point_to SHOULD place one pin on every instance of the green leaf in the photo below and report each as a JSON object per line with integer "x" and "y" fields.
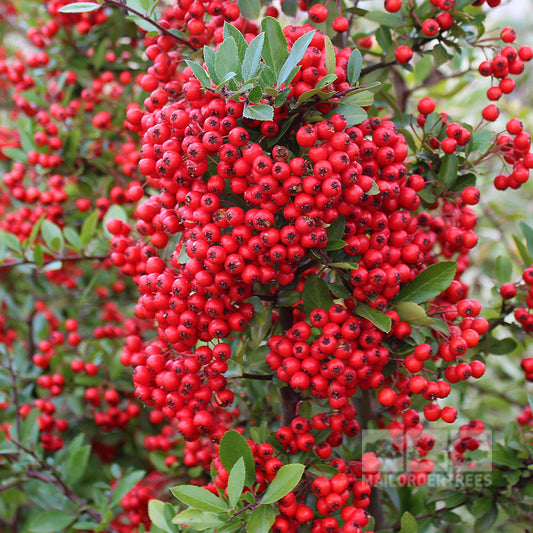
{"x": 52, "y": 235}
{"x": 335, "y": 230}
{"x": 414, "y": 314}
{"x": 261, "y": 112}
{"x": 354, "y": 113}
{"x": 233, "y": 446}
{"x": 345, "y": 264}
{"x": 275, "y": 50}
{"x": 11, "y": 241}
{"x": 355, "y": 64}
{"x": 72, "y": 237}
{"x": 199, "y": 498}
{"x": 482, "y": 140}
{"x": 379, "y": 319}
{"x": 484, "y": 523}
{"x": 51, "y": 521}
{"x": 316, "y": 294}
{"x": 503, "y": 346}
{"x": 340, "y": 291}
{"x": 523, "y": 251}
{"x": 261, "y": 519}
{"x": 209, "y": 58}
{"x": 286, "y": 479}
{"x": 38, "y": 254}
{"x": 232, "y": 31}
{"x": 297, "y": 52}
{"x": 77, "y": 459}
{"x": 527, "y": 231}
{"x": 326, "y": 80}
{"x": 30, "y": 429}
{"x": 81, "y": 7}
{"x": 503, "y": 270}
{"x": 440, "y": 55}
{"x": 288, "y": 297}
{"x": 448, "y": 170}
{"x": 481, "y": 506}
{"x": 201, "y": 74}
{"x": 227, "y": 58}
{"x": 126, "y": 483}
{"x": 530, "y": 401}
{"x": 282, "y": 96}
{"x": 331, "y": 59}
{"x": 385, "y": 19}
{"x": 505, "y": 457}
{"x": 252, "y": 57}
{"x": 197, "y": 520}
{"x": 250, "y": 9}
{"x": 423, "y": 68}
{"x": 429, "y": 283}
{"x": 88, "y": 228}
{"x": 408, "y": 523}
{"x": 236, "y": 481}
{"x": 161, "y": 514}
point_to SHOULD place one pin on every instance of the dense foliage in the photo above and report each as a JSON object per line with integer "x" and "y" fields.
{"x": 244, "y": 283}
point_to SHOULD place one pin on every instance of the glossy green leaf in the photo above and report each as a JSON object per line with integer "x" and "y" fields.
{"x": 485, "y": 522}
{"x": 161, "y": 515}
{"x": 198, "y": 520}
{"x": 448, "y": 170}
{"x": 335, "y": 245}
{"x": 88, "y": 228}
{"x": 326, "y": 80}
{"x": 440, "y": 55}
{"x": 355, "y": 64}
{"x": 81, "y": 7}
{"x": 236, "y": 481}
{"x": 429, "y": 283}
{"x": 199, "y": 498}
{"x": 297, "y": 52}
{"x": 50, "y": 521}
{"x": 481, "y": 506}
{"x": 503, "y": 269}
{"x": 233, "y": 446}
{"x": 72, "y": 237}
{"x": 201, "y": 74}
{"x": 502, "y": 346}
{"x": 252, "y": 57}
{"x": 340, "y": 291}
{"x": 286, "y": 479}
{"x": 347, "y": 265}
{"x": 335, "y": 230}
{"x": 354, "y": 113}
{"x": 52, "y": 235}
{"x": 379, "y": 319}
{"x": 316, "y": 294}
{"x": 261, "y": 112}
{"x": 77, "y": 459}
{"x": 250, "y": 9}
{"x": 408, "y": 523}
{"x": 275, "y": 50}
{"x": 261, "y": 519}
{"x": 125, "y": 484}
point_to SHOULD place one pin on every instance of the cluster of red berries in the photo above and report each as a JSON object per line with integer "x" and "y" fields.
{"x": 49, "y": 424}
{"x": 468, "y": 440}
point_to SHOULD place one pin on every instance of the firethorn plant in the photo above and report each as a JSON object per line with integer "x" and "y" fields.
{"x": 239, "y": 237}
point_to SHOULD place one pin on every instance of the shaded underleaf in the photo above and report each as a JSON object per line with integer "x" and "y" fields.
{"x": 379, "y": 319}
{"x": 448, "y": 170}
{"x": 286, "y": 479}
{"x": 316, "y": 294}
{"x": 429, "y": 283}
